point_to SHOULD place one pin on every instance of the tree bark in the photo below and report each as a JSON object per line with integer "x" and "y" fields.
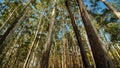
{"x": 102, "y": 59}
{"x": 9, "y": 17}
{"x": 15, "y": 22}
{"x": 4, "y": 47}
{"x": 116, "y": 13}
{"x": 45, "y": 56}
{"x": 78, "y": 36}
{"x": 32, "y": 46}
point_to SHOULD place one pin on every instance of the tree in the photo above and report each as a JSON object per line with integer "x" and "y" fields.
{"x": 2, "y": 39}
{"x": 52, "y": 34}
{"x": 95, "y": 42}
{"x": 45, "y": 57}
{"x": 116, "y": 13}
{"x": 9, "y": 17}
{"x": 78, "y": 36}
{"x": 33, "y": 44}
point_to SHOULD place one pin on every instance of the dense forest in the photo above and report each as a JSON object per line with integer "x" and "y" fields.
{"x": 59, "y": 33}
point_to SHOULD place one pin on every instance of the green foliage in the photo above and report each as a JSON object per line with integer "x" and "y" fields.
{"x": 42, "y": 9}
{"x": 114, "y": 30}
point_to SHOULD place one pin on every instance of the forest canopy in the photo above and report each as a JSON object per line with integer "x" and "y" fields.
{"x": 59, "y": 33}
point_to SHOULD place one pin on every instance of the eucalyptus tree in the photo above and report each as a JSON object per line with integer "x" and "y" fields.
{"x": 95, "y": 42}
{"x": 32, "y": 45}
{"x": 59, "y": 39}
{"x": 110, "y": 28}
{"x": 9, "y": 17}
{"x": 45, "y": 57}
{"x": 6, "y": 46}
{"x": 78, "y": 36}
{"x": 116, "y": 13}
{"x": 2, "y": 39}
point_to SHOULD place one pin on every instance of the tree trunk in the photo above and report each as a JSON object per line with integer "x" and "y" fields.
{"x": 116, "y": 13}
{"x": 15, "y": 22}
{"x": 45, "y": 56}
{"x": 102, "y": 59}
{"x": 9, "y": 17}
{"x": 5, "y": 46}
{"x": 79, "y": 40}
{"x": 32, "y": 46}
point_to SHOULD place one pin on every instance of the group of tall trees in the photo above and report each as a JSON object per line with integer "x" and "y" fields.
{"x": 59, "y": 34}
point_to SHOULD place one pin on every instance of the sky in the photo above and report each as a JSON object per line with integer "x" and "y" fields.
{"x": 102, "y": 6}
{"x": 1, "y": 1}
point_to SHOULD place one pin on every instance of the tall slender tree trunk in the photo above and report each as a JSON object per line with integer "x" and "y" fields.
{"x": 116, "y": 13}
{"x": 9, "y": 17}
{"x": 66, "y": 61}
{"x": 78, "y": 36}
{"x": 75, "y": 58}
{"x": 12, "y": 50}
{"x": 102, "y": 59}
{"x": 15, "y": 22}
{"x": 2, "y": 47}
{"x": 32, "y": 46}
{"x": 64, "y": 53}
{"x": 45, "y": 56}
